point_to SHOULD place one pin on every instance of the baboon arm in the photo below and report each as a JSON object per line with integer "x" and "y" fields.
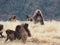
{"x": 7, "y": 38}
{"x": 29, "y": 34}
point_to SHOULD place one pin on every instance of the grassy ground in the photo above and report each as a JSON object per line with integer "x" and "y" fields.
{"x": 48, "y": 34}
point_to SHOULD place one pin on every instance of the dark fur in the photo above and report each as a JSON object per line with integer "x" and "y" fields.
{"x": 12, "y": 35}
{"x": 17, "y": 30}
{"x": 1, "y": 27}
{"x": 27, "y": 30}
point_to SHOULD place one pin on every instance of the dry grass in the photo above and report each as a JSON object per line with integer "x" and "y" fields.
{"x": 48, "y": 34}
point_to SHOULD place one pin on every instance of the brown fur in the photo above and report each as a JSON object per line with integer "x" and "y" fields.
{"x": 12, "y": 18}
{"x": 26, "y": 29}
{"x": 23, "y": 31}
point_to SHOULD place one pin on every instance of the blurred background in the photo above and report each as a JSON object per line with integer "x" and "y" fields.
{"x": 50, "y": 8}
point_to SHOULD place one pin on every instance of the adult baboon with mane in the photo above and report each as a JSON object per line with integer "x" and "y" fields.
{"x": 37, "y": 17}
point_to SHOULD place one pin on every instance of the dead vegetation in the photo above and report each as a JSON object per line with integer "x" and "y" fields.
{"x": 41, "y": 34}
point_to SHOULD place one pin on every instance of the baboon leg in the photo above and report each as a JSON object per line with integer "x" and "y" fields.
{"x": 42, "y": 22}
{"x": 24, "y": 38}
{"x": 6, "y": 39}
{"x": 1, "y": 34}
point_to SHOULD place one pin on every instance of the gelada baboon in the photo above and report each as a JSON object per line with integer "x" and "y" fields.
{"x": 12, "y": 18}
{"x": 37, "y": 17}
{"x": 22, "y": 32}
{"x": 29, "y": 17}
{"x": 1, "y": 27}
{"x": 25, "y": 26}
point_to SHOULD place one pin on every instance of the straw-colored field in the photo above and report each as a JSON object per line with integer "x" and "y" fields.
{"x": 48, "y": 34}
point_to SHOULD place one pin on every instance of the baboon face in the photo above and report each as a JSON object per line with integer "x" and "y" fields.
{"x": 29, "y": 18}
{"x": 38, "y": 12}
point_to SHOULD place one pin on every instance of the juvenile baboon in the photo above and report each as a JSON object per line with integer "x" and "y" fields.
{"x": 29, "y": 17}
{"x": 12, "y": 18}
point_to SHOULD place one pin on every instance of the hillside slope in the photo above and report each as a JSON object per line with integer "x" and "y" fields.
{"x": 20, "y": 8}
